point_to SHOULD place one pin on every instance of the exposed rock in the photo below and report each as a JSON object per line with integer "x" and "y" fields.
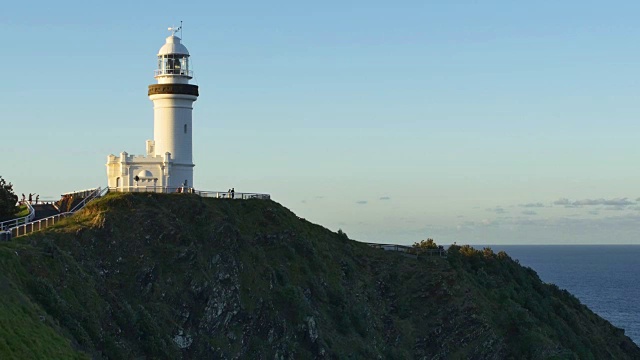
{"x": 182, "y": 341}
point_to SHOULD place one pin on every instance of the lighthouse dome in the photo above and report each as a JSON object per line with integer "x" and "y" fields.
{"x": 173, "y": 46}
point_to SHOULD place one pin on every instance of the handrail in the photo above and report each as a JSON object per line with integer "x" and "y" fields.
{"x": 86, "y": 200}
{"x": 85, "y": 191}
{"x": 161, "y": 72}
{"x": 16, "y": 222}
{"x": 31, "y": 226}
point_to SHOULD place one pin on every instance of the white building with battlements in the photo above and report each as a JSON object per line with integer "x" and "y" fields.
{"x": 168, "y": 163}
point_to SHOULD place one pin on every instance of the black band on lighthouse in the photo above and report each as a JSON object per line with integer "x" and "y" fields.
{"x": 186, "y": 89}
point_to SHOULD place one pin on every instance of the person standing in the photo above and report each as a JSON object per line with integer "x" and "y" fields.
{"x": 233, "y": 193}
{"x": 37, "y": 198}
{"x": 23, "y": 198}
{"x": 30, "y": 197}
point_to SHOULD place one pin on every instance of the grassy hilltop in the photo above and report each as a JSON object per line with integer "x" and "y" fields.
{"x": 178, "y": 276}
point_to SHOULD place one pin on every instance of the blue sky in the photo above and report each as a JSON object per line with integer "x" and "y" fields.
{"x": 474, "y": 122}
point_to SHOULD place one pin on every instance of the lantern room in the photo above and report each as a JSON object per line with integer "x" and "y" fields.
{"x": 173, "y": 61}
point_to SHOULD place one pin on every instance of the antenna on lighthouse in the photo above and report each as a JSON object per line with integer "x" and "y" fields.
{"x": 174, "y": 29}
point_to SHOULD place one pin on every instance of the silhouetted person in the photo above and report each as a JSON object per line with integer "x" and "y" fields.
{"x": 30, "y": 197}
{"x": 23, "y": 197}
{"x": 233, "y": 193}
{"x": 37, "y": 198}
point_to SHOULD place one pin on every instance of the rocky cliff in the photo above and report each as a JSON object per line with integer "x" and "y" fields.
{"x": 178, "y": 276}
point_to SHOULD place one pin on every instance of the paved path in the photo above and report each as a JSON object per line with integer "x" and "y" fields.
{"x": 44, "y": 210}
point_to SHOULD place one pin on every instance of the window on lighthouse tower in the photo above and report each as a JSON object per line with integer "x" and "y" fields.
{"x": 173, "y": 64}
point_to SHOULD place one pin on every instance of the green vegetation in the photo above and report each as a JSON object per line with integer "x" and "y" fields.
{"x": 170, "y": 276}
{"x": 26, "y": 330}
{"x": 8, "y": 200}
{"x": 22, "y": 211}
{"x": 424, "y": 247}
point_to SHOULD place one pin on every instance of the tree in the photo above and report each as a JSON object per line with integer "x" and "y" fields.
{"x": 8, "y": 200}
{"x": 343, "y": 234}
{"x": 422, "y": 246}
{"x": 488, "y": 253}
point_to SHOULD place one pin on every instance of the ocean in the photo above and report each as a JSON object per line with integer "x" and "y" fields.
{"x": 606, "y": 278}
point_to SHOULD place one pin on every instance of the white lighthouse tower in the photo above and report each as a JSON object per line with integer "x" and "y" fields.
{"x": 173, "y": 99}
{"x": 168, "y": 163}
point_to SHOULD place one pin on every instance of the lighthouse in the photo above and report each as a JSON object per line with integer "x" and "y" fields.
{"x": 168, "y": 163}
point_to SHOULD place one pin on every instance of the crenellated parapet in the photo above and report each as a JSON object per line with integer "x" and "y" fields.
{"x": 149, "y": 159}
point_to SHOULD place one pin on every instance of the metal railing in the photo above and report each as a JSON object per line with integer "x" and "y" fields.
{"x": 36, "y": 225}
{"x": 91, "y": 195}
{"x": 83, "y": 193}
{"x": 22, "y": 220}
{"x": 31, "y": 226}
{"x": 187, "y": 190}
{"x": 410, "y": 249}
{"x": 160, "y": 72}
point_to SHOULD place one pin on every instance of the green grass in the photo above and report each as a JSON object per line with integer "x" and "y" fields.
{"x": 26, "y": 330}
{"x": 23, "y": 211}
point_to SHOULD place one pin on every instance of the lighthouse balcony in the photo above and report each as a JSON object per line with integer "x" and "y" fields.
{"x": 173, "y": 72}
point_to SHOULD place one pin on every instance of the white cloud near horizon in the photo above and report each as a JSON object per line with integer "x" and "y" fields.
{"x": 532, "y": 205}
{"x": 592, "y": 202}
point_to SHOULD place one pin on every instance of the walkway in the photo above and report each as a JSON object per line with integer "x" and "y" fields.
{"x": 44, "y": 211}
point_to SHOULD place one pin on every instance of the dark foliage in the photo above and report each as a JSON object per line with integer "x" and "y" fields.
{"x": 8, "y": 200}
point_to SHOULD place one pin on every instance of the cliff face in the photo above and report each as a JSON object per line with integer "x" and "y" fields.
{"x": 171, "y": 276}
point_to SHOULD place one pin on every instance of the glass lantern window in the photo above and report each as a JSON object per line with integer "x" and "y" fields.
{"x": 173, "y": 64}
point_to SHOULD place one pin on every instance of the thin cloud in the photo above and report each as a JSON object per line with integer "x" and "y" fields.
{"x": 497, "y": 210}
{"x": 385, "y": 198}
{"x": 362, "y": 202}
{"x": 529, "y": 212}
{"x": 594, "y": 202}
{"x": 612, "y": 202}
{"x": 616, "y": 208}
{"x": 532, "y": 205}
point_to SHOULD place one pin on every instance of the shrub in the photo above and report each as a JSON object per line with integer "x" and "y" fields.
{"x": 422, "y": 246}
{"x": 8, "y": 200}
